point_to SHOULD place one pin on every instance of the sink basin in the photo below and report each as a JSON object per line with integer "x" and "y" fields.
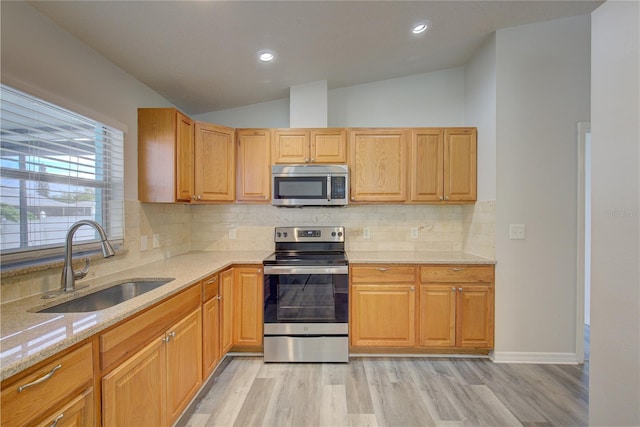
{"x": 108, "y": 297}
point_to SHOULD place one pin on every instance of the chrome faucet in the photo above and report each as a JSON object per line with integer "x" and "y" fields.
{"x": 68, "y": 279}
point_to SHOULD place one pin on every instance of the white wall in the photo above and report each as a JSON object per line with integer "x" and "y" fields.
{"x": 480, "y": 111}
{"x": 272, "y": 114}
{"x": 40, "y": 58}
{"x": 614, "y": 379}
{"x": 542, "y": 74}
{"x": 430, "y": 99}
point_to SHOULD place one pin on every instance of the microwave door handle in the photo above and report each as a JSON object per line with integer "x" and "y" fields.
{"x": 328, "y": 188}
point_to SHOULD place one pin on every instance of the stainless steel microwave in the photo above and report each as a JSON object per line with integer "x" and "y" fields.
{"x": 310, "y": 185}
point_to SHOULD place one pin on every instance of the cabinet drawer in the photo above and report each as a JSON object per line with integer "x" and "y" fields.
{"x": 382, "y": 273}
{"x": 32, "y": 395}
{"x": 457, "y": 273}
{"x": 209, "y": 288}
{"x": 119, "y": 343}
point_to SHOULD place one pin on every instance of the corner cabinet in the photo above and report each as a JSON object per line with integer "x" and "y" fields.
{"x": 215, "y": 163}
{"x": 254, "y": 165}
{"x": 165, "y": 155}
{"x": 377, "y": 160}
{"x": 309, "y": 146}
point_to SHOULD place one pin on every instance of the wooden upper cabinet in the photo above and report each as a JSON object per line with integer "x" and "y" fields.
{"x": 460, "y": 164}
{"x": 427, "y": 165}
{"x": 215, "y": 163}
{"x": 291, "y": 146}
{"x": 378, "y": 159}
{"x": 310, "y": 146}
{"x": 254, "y": 165}
{"x": 165, "y": 155}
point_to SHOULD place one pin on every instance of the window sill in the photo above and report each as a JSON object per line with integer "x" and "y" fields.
{"x": 18, "y": 268}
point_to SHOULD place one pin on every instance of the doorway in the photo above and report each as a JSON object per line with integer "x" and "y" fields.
{"x": 583, "y": 303}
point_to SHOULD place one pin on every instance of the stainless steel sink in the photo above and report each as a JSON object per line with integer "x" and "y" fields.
{"x": 108, "y": 297}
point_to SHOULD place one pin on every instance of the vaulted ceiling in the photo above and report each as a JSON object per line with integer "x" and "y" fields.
{"x": 202, "y": 55}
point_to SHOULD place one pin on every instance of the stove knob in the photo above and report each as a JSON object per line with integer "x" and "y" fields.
{"x": 340, "y": 233}
{"x": 285, "y": 234}
{"x": 278, "y": 234}
{"x": 333, "y": 234}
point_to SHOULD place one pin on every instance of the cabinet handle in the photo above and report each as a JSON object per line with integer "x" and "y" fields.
{"x": 441, "y": 198}
{"x": 313, "y": 160}
{"x": 259, "y": 270}
{"x": 459, "y": 289}
{"x": 457, "y": 269}
{"x": 218, "y": 298}
{"x": 453, "y": 289}
{"x": 169, "y": 336}
{"x": 446, "y": 197}
{"x": 55, "y": 421}
{"x": 306, "y": 160}
{"x": 208, "y": 282}
{"x": 39, "y": 380}
{"x": 382, "y": 269}
{"x": 412, "y": 288}
{"x": 199, "y": 197}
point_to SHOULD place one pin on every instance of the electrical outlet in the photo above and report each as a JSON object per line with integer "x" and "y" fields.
{"x": 414, "y": 233}
{"x": 516, "y": 231}
{"x": 143, "y": 243}
{"x": 156, "y": 240}
{"x": 366, "y": 234}
{"x": 232, "y": 234}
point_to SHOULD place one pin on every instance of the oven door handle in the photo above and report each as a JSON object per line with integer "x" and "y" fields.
{"x": 287, "y": 269}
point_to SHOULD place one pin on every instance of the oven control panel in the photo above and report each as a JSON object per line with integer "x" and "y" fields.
{"x": 309, "y": 234}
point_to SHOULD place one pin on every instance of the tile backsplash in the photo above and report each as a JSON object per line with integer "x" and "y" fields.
{"x": 183, "y": 228}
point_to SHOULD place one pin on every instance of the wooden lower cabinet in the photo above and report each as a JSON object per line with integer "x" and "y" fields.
{"x": 210, "y": 336}
{"x": 453, "y": 307}
{"x": 154, "y": 386}
{"x": 226, "y": 311}
{"x": 61, "y": 388}
{"x": 383, "y": 315}
{"x": 248, "y": 306}
{"x": 456, "y": 306}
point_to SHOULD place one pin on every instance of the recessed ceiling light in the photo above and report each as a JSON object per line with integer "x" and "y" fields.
{"x": 265, "y": 56}
{"x": 420, "y": 28}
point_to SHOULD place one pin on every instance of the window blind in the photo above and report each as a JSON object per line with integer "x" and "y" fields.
{"x": 56, "y": 167}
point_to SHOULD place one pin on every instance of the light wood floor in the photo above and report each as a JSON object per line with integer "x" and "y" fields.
{"x": 392, "y": 392}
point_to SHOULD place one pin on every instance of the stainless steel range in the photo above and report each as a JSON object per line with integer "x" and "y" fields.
{"x": 306, "y": 296}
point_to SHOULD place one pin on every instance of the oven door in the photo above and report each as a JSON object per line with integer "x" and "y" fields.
{"x": 295, "y": 297}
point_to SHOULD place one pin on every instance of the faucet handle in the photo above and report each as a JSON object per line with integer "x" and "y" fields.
{"x": 80, "y": 274}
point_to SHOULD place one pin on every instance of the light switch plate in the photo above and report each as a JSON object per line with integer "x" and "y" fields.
{"x": 414, "y": 233}
{"x": 143, "y": 243}
{"x": 366, "y": 234}
{"x": 156, "y": 240}
{"x": 232, "y": 234}
{"x": 516, "y": 231}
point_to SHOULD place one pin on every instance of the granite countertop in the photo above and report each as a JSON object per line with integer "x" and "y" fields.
{"x": 411, "y": 257}
{"x": 27, "y": 337}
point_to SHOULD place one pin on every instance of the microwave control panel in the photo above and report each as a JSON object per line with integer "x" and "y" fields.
{"x": 338, "y": 187}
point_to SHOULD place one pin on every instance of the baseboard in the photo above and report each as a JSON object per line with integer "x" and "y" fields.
{"x": 536, "y": 358}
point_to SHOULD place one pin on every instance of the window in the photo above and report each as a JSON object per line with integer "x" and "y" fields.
{"x": 56, "y": 167}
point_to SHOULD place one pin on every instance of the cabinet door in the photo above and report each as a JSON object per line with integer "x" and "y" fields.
{"x": 383, "y": 315}
{"x": 474, "y": 316}
{"x": 427, "y": 165}
{"x": 460, "y": 164}
{"x": 184, "y": 158}
{"x": 226, "y": 311}
{"x": 133, "y": 394}
{"x": 215, "y": 163}
{"x": 328, "y": 146}
{"x": 437, "y": 326}
{"x": 378, "y": 165}
{"x": 184, "y": 363}
{"x": 254, "y": 166}
{"x": 77, "y": 413}
{"x": 291, "y": 146}
{"x": 210, "y": 336}
{"x": 248, "y": 305}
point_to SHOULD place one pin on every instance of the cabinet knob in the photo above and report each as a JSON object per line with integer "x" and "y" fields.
{"x": 459, "y": 289}
{"x": 199, "y": 197}
{"x": 453, "y": 289}
{"x": 383, "y": 269}
{"x": 441, "y": 197}
{"x": 313, "y": 160}
{"x": 446, "y": 197}
{"x": 412, "y": 288}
